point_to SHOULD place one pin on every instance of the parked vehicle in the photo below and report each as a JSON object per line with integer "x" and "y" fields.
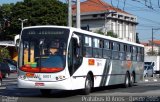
{"x": 12, "y": 65}
{"x": 12, "y": 68}
{"x": 0, "y": 78}
{"x": 148, "y": 71}
{"x": 153, "y": 61}
{"x": 5, "y": 70}
{"x": 13, "y": 62}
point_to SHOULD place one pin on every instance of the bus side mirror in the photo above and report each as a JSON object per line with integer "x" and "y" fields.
{"x": 17, "y": 44}
{"x": 16, "y": 41}
{"x": 77, "y": 39}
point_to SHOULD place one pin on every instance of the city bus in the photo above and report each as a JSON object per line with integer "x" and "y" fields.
{"x": 66, "y": 58}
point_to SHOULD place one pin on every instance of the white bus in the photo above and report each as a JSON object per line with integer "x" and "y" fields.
{"x": 65, "y": 58}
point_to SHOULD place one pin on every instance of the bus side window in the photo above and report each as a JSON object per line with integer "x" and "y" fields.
{"x": 87, "y": 52}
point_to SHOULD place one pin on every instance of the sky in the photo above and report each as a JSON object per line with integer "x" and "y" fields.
{"x": 8, "y": 1}
{"x": 147, "y": 12}
{"x": 148, "y": 16}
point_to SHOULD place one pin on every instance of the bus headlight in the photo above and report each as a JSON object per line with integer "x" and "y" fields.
{"x": 61, "y": 77}
{"x": 22, "y": 77}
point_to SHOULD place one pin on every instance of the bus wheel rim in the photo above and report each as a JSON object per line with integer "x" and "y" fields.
{"x": 1, "y": 83}
{"x": 88, "y": 84}
{"x": 127, "y": 81}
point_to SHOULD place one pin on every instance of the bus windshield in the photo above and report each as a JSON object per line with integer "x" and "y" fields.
{"x": 43, "y": 49}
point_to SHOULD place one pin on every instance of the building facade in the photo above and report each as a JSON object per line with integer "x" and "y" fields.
{"x": 97, "y": 15}
{"x": 148, "y": 47}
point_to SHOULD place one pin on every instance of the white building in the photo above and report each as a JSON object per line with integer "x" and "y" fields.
{"x": 148, "y": 47}
{"x": 98, "y": 15}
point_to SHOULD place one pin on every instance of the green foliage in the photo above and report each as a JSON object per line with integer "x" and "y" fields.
{"x": 4, "y": 53}
{"x": 112, "y": 34}
{"x": 99, "y": 32}
{"x": 38, "y": 12}
{"x": 109, "y": 33}
{"x": 5, "y": 18}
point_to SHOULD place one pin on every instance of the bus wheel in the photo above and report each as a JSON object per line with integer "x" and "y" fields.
{"x": 131, "y": 80}
{"x": 0, "y": 82}
{"x": 88, "y": 85}
{"x": 45, "y": 92}
{"x": 127, "y": 80}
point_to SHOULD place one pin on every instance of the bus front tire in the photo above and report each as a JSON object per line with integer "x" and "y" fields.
{"x": 88, "y": 85}
{"x": 45, "y": 92}
{"x": 0, "y": 82}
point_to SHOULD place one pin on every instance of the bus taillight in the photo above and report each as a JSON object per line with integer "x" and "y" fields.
{"x": 49, "y": 70}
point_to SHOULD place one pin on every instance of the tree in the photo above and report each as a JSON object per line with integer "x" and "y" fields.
{"x": 5, "y": 18}
{"x": 38, "y": 12}
{"x": 4, "y": 53}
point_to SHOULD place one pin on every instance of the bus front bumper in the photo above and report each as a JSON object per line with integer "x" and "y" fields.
{"x": 62, "y": 85}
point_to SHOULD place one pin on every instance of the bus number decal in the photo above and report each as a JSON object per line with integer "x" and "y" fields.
{"x": 46, "y": 76}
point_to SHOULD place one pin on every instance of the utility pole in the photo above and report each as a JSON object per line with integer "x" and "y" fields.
{"x": 69, "y": 13}
{"x": 22, "y": 21}
{"x": 152, "y": 41}
{"x": 152, "y": 37}
{"x": 78, "y": 14}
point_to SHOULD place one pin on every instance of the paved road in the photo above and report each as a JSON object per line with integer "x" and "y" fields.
{"x": 148, "y": 91}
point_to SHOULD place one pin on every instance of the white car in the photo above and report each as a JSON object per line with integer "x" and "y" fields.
{"x": 12, "y": 68}
{"x": 148, "y": 71}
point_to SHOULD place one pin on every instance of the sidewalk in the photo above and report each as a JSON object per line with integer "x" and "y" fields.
{"x": 155, "y": 78}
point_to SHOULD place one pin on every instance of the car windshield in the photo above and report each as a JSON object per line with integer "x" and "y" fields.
{"x": 9, "y": 61}
{"x": 43, "y": 48}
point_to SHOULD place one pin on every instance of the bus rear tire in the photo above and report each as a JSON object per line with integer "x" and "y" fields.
{"x": 45, "y": 92}
{"x": 131, "y": 83}
{"x": 127, "y": 80}
{"x": 88, "y": 85}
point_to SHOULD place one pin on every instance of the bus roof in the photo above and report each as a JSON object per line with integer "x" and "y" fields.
{"x": 87, "y": 33}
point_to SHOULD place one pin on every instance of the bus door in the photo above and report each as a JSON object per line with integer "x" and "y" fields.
{"x": 74, "y": 54}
